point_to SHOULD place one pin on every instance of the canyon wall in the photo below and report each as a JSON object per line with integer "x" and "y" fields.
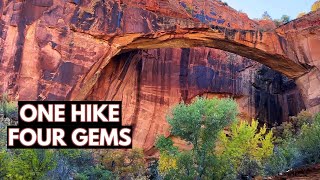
{"x": 151, "y": 82}
{"x": 152, "y": 54}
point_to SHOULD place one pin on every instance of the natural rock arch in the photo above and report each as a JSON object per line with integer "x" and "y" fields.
{"x": 274, "y": 48}
{"x": 42, "y": 40}
{"x": 268, "y": 48}
{"x": 57, "y": 50}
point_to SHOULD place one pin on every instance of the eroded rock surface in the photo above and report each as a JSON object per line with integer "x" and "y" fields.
{"x": 150, "y": 82}
{"x": 152, "y": 54}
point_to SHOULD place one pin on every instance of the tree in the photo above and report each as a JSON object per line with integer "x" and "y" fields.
{"x": 292, "y": 128}
{"x": 315, "y": 6}
{"x": 3, "y": 163}
{"x": 266, "y": 16}
{"x": 123, "y": 163}
{"x": 94, "y": 173}
{"x": 71, "y": 162}
{"x": 244, "y": 152}
{"x": 298, "y": 144}
{"x": 3, "y": 135}
{"x": 199, "y": 124}
{"x": 286, "y": 156}
{"x": 30, "y": 163}
{"x": 8, "y": 108}
{"x": 308, "y": 141}
{"x": 285, "y": 19}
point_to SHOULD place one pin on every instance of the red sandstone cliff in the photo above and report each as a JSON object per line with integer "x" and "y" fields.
{"x": 154, "y": 54}
{"x": 150, "y": 82}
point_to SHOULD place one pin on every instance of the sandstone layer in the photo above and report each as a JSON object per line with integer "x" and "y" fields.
{"x": 151, "y": 82}
{"x": 152, "y": 54}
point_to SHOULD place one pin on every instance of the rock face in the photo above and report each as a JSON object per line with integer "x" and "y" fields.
{"x": 305, "y": 45}
{"x": 150, "y": 82}
{"x": 152, "y": 54}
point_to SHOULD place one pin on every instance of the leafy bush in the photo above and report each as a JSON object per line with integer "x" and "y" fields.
{"x": 30, "y": 163}
{"x": 199, "y": 124}
{"x": 70, "y": 162}
{"x": 9, "y": 109}
{"x": 285, "y": 157}
{"x": 315, "y": 6}
{"x": 298, "y": 144}
{"x": 174, "y": 164}
{"x": 50, "y": 164}
{"x": 244, "y": 152}
{"x": 3, "y": 163}
{"x": 303, "y": 118}
{"x": 292, "y": 128}
{"x": 308, "y": 142}
{"x": 93, "y": 173}
{"x": 168, "y": 153}
{"x": 3, "y": 135}
{"x": 129, "y": 163}
{"x": 285, "y": 19}
{"x": 152, "y": 171}
{"x": 166, "y": 145}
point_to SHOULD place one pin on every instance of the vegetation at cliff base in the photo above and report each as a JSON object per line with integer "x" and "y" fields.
{"x": 226, "y": 148}
{"x": 198, "y": 124}
{"x": 63, "y": 163}
{"x": 221, "y": 147}
{"x": 244, "y": 152}
{"x": 8, "y": 109}
{"x": 298, "y": 144}
{"x": 214, "y": 154}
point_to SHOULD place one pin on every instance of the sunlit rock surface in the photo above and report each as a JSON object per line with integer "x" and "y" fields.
{"x": 154, "y": 54}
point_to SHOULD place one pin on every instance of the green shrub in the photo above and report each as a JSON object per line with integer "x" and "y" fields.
{"x": 153, "y": 171}
{"x": 94, "y": 173}
{"x": 303, "y": 118}
{"x": 3, "y": 136}
{"x": 244, "y": 152}
{"x": 70, "y": 162}
{"x": 129, "y": 164}
{"x": 199, "y": 124}
{"x": 285, "y": 157}
{"x": 3, "y": 163}
{"x": 308, "y": 142}
{"x": 166, "y": 145}
{"x": 30, "y": 163}
{"x": 8, "y": 108}
{"x": 317, "y": 118}
{"x": 174, "y": 164}
{"x": 11, "y": 111}
{"x": 298, "y": 144}
{"x": 292, "y": 128}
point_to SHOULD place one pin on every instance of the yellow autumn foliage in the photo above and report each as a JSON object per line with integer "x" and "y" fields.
{"x": 315, "y": 6}
{"x": 167, "y": 162}
{"x": 246, "y": 141}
